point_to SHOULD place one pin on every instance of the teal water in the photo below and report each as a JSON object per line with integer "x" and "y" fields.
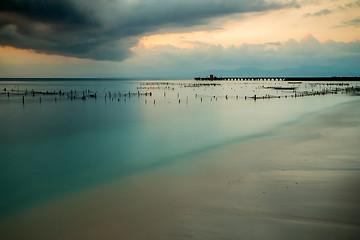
{"x": 53, "y": 148}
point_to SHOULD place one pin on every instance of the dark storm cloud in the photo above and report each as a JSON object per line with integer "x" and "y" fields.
{"x": 50, "y": 11}
{"x": 107, "y": 29}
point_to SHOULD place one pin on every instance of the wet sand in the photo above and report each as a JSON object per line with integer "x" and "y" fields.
{"x": 299, "y": 182}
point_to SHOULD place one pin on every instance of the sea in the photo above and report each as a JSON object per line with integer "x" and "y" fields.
{"x": 61, "y": 136}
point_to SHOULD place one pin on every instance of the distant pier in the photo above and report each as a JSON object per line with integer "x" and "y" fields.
{"x": 288, "y": 79}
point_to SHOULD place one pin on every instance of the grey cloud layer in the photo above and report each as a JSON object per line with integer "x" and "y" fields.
{"x": 107, "y": 29}
{"x": 340, "y": 56}
{"x": 307, "y": 57}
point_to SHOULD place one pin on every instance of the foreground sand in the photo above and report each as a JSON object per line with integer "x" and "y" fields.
{"x": 299, "y": 182}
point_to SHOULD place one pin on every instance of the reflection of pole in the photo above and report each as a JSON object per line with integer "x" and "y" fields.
{"x": 23, "y": 100}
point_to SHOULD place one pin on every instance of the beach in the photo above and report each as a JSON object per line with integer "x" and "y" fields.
{"x": 180, "y": 120}
{"x": 298, "y": 181}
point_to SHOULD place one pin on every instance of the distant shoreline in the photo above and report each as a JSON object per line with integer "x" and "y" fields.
{"x": 287, "y": 79}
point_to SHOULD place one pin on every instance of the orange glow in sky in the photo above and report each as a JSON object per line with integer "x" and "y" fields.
{"x": 273, "y": 26}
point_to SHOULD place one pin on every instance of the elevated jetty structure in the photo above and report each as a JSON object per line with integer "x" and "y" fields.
{"x": 288, "y": 79}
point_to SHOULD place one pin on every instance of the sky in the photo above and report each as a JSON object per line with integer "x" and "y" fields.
{"x": 179, "y": 38}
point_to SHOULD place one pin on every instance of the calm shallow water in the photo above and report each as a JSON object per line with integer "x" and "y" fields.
{"x": 51, "y": 148}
